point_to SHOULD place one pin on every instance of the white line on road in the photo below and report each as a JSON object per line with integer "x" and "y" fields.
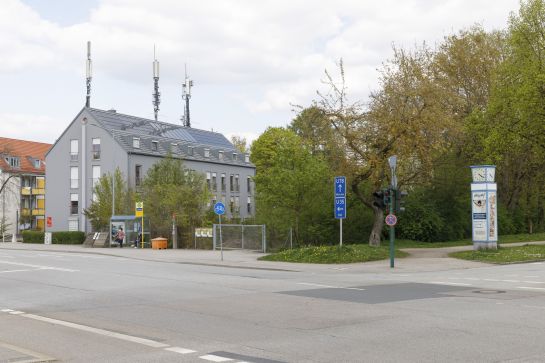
{"x": 16, "y": 312}
{"x": 6, "y": 310}
{"x": 107, "y": 333}
{"x": 318, "y": 285}
{"x": 8, "y": 271}
{"x": 215, "y": 358}
{"x": 180, "y": 350}
{"x": 531, "y": 288}
{"x": 533, "y": 282}
{"x": 449, "y": 283}
{"x": 38, "y": 266}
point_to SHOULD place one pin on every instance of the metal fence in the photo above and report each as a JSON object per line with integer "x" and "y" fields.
{"x": 240, "y": 236}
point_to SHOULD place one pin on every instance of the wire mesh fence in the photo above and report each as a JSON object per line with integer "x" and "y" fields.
{"x": 240, "y": 236}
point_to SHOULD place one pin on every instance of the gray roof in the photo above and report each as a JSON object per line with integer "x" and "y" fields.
{"x": 180, "y": 141}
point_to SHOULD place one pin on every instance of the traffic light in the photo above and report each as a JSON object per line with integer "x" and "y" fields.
{"x": 379, "y": 199}
{"x": 400, "y": 202}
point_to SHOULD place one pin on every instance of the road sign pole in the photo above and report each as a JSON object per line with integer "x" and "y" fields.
{"x": 221, "y": 240}
{"x": 392, "y": 229}
{"x": 341, "y": 230}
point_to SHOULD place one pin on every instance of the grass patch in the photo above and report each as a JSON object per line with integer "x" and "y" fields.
{"x": 504, "y": 255}
{"x": 333, "y": 254}
{"x": 506, "y": 239}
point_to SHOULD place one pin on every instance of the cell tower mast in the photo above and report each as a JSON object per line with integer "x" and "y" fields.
{"x": 186, "y": 95}
{"x": 88, "y": 75}
{"x": 156, "y": 94}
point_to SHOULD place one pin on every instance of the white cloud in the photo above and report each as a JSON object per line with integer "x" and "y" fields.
{"x": 30, "y": 127}
{"x": 266, "y": 54}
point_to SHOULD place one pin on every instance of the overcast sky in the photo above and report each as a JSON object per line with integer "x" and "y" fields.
{"x": 249, "y": 59}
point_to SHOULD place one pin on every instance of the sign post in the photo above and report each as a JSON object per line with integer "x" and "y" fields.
{"x": 219, "y": 209}
{"x": 139, "y": 212}
{"x": 392, "y": 161}
{"x": 340, "y": 204}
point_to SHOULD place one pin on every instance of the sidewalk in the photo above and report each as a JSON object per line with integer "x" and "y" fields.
{"x": 420, "y": 260}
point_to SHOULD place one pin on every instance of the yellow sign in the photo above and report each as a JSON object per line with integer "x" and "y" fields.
{"x": 139, "y": 209}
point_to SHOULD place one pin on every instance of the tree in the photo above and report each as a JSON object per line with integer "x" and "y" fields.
{"x": 404, "y": 118}
{"x": 100, "y": 210}
{"x": 240, "y": 143}
{"x": 169, "y": 189}
{"x": 293, "y": 186}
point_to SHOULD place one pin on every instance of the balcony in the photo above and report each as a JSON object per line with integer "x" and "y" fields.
{"x": 38, "y": 212}
{"x": 25, "y": 190}
{"x": 25, "y": 212}
{"x": 38, "y": 191}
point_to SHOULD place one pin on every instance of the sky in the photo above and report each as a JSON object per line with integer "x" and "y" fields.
{"x": 250, "y": 61}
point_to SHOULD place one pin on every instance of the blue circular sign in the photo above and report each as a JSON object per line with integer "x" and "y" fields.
{"x": 219, "y": 208}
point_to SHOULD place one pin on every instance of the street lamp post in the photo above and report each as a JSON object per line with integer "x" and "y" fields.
{"x": 392, "y": 161}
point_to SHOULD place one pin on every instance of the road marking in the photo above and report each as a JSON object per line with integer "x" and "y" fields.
{"x": 531, "y": 277}
{"x": 9, "y": 271}
{"x": 215, "y": 358}
{"x": 449, "y": 283}
{"x": 180, "y": 350}
{"x": 533, "y": 282}
{"x": 16, "y": 312}
{"x": 536, "y": 263}
{"x": 35, "y": 357}
{"x": 318, "y": 285}
{"x": 107, "y": 333}
{"x": 352, "y": 288}
{"x": 531, "y": 288}
{"x": 6, "y": 310}
{"x": 38, "y": 266}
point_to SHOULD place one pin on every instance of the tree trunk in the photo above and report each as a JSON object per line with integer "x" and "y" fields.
{"x": 378, "y": 223}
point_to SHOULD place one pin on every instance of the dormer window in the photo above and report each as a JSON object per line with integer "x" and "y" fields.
{"x": 136, "y": 142}
{"x": 206, "y": 153}
{"x": 154, "y": 146}
{"x": 13, "y": 161}
{"x": 37, "y": 163}
{"x": 190, "y": 150}
{"x": 235, "y": 156}
{"x": 220, "y": 155}
{"x": 247, "y": 158}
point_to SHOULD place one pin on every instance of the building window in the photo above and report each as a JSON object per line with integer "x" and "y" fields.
{"x": 247, "y": 158}
{"x": 235, "y": 156}
{"x": 190, "y": 150}
{"x": 206, "y": 153}
{"x": 37, "y": 163}
{"x": 74, "y": 150}
{"x": 214, "y": 200}
{"x": 231, "y": 183}
{"x": 136, "y": 142}
{"x": 249, "y": 205}
{"x": 73, "y": 203}
{"x": 154, "y": 146}
{"x": 73, "y": 225}
{"x": 214, "y": 182}
{"x": 237, "y": 205}
{"x": 208, "y": 180}
{"x": 74, "y": 177}
{"x": 96, "y": 148}
{"x": 96, "y": 175}
{"x": 220, "y": 155}
{"x": 249, "y": 184}
{"x": 13, "y": 161}
{"x": 232, "y": 204}
{"x": 223, "y": 186}
{"x": 237, "y": 185}
{"x": 138, "y": 175}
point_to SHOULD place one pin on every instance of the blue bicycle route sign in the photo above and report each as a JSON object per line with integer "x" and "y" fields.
{"x": 340, "y": 207}
{"x": 219, "y": 208}
{"x": 340, "y": 186}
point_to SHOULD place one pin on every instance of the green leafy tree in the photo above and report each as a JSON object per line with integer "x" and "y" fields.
{"x": 293, "y": 186}
{"x": 100, "y": 210}
{"x": 169, "y": 189}
{"x": 240, "y": 143}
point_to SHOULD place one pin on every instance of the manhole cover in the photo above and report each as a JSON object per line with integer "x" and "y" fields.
{"x": 488, "y": 291}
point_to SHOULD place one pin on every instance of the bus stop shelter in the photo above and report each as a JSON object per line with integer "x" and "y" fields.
{"x": 132, "y": 226}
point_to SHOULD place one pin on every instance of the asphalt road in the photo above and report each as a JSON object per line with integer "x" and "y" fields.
{"x": 80, "y": 307}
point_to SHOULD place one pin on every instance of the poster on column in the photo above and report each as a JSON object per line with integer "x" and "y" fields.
{"x": 479, "y": 215}
{"x": 493, "y": 217}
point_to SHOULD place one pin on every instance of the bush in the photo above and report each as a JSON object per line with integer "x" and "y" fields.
{"x": 33, "y": 237}
{"x": 68, "y": 238}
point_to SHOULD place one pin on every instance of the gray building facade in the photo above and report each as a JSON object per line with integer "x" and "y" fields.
{"x": 97, "y": 142}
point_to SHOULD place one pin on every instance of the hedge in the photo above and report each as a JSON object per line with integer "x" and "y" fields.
{"x": 60, "y": 238}
{"x": 33, "y": 237}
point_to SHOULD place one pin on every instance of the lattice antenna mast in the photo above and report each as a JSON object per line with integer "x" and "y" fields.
{"x": 186, "y": 95}
{"x": 88, "y": 75}
{"x": 156, "y": 93}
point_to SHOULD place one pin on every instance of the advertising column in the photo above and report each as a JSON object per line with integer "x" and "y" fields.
{"x": 484, "y": 207}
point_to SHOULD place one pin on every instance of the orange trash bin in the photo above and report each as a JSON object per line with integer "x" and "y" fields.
{"x": 159, "y": 243}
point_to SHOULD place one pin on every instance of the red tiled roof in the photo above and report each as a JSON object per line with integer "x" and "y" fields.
{"x": 27, "y": 151}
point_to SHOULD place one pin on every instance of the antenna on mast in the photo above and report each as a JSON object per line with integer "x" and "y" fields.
{"x": 156, "y": 94}
{"x": 186, "y": 95}
{"x": 88, "y": 75}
